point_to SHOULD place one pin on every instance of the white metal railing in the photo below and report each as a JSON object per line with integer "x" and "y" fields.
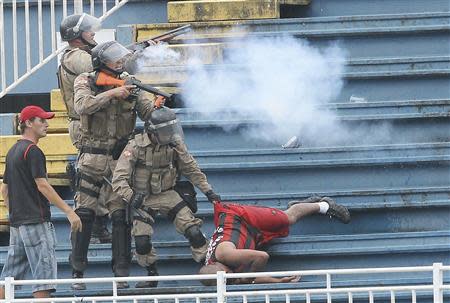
{"x": 24, "y": 65}
{"x": 433, "y": 289}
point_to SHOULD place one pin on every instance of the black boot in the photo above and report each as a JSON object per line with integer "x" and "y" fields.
{"x": 338, "y": 211}
{"x": 80, "y": 244}
{"x": 78, "y": 286}
{"x": 151, "y": 271}
{"x": 100, "y": 232}
{"x": 121, "y": 246}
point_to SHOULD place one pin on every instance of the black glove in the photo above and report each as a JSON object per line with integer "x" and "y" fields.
{"x": 136, "y": 200}
{"x": 212, "y": 196}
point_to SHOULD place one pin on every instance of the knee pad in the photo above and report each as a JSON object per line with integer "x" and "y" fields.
{"x": 143, "y": 244}
{"x": 195, "y": 236}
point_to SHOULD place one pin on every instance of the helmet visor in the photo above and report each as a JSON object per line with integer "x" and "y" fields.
{"x": 168, "y": 132}
{"x": 115, "y": 53}
{"x": 88, "y": 23}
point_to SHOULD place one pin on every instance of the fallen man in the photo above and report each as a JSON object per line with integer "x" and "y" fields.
{"x": 241, "y": 230}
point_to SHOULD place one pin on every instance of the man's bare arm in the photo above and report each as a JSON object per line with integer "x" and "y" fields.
{"x": 262, "y": 280}
{"x": 49, "y": 192}
{"x": 5, "y": 194}
{"x": 248, "y": 260}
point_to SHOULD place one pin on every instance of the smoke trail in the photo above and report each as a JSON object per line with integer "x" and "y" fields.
{"x": 284, "y": 83}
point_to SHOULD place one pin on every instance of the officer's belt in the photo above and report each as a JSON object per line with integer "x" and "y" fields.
{"x": 95, "y": 150}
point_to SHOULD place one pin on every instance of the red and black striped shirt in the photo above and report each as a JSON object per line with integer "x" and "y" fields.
{"x": 231, "y": 226}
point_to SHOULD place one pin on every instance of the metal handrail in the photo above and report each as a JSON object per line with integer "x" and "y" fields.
{"x": 43, "y": 59}
{"x": 435, "y": 288}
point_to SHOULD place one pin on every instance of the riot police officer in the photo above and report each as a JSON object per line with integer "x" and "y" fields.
{"x": 146, "y": 176}
{"x": 79, "y": 31}
{"x": 107, "y": 119}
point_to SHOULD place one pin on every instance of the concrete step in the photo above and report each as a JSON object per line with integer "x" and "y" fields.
{"x": 362, "y": 110}
{"x": 236, "y": 134}
{"x": 366, "y": 36}
{"x": 425, "y": 211}
{"x": 375, "y": 7}
{"x": 355, "y": 69}
{"x": 231, "y": 135}
{"x": 345, "y": 109}
{"x": 358, "y": 174}
{"x": 275, "y": 159}
{"x": 408, "y": 121}
{"x": 376, "y": 86}
{"x": 316, "y": 26}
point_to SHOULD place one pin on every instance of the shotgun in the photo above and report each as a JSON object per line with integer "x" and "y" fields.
{"x": 164, "y": 37}
{"x": 103, "y": 79}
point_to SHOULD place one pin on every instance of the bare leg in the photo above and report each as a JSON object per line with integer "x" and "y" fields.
{"x": 2, "y": 293}
{"x": 312, "y": 199}
{"x": 300, "y": 210}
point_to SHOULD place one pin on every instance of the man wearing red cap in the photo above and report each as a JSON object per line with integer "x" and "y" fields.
{"x": 26, "y": 192}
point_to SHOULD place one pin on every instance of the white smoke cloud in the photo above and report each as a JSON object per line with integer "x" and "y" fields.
{"x": 157, "y": 55}
{"x": 282, "y": 82}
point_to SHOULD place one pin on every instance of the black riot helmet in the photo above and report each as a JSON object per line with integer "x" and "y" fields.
{"x": 112, "y": 53}
{"x": 164, "y": 125}
{"x": 74, "y": 25}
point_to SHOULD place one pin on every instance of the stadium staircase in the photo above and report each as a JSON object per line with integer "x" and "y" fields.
{"x": 398, "y": 193}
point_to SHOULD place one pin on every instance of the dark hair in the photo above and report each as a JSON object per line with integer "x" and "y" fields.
{"x": 23, "y": 126}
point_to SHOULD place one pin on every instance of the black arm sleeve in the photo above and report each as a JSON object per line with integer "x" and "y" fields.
{"x": 36, "y": 163}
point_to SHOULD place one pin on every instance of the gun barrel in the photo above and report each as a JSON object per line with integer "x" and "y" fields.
{"x": 164, "y": 37}
{"x": 151, "y": 89}
{"x": 173, "y": 33}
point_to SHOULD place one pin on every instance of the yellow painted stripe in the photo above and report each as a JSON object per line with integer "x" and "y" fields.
{"x": 56, "y": 101}
{"x": 56, "y": 166}
{"x": 59, "y": 123}
{"x": 210, "y": 10}
{"x": 146, "y": 31}
{"x": 52, "y": 145}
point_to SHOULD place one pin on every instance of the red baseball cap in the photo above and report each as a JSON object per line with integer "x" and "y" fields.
{"x": 32, "y": 111}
